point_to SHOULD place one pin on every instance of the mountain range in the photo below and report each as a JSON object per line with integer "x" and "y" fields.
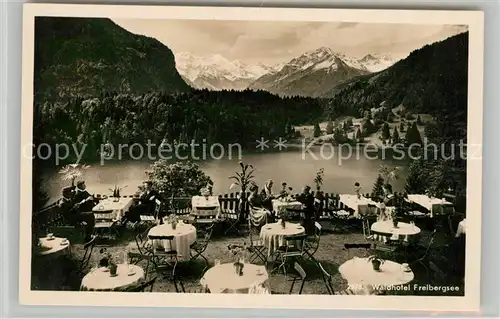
{"x": 217, "y": 73}
{"x": 312, "y": 74}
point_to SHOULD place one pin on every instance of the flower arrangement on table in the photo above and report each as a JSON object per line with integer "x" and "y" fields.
{"x": 357, "y": 189}
{"x": 108, "y": 262}
{"x": 238, "y": 253}
{"x": 376, "y": 262}
{"x": 173, "y": 220}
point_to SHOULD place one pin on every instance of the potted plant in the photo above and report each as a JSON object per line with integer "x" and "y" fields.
{"x": 243, "y": 179}
{"x": 237, "y": 253}
{"x": 376, "y": 262}
{"x": 108, "y": 262}
{"x": 73, "y": 171}
{"x": 173, "y": 221}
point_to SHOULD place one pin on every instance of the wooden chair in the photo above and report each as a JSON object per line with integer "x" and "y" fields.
{"x": 88, "y": 247}
{"x": 230, "y": 214}
{"x": 148, "y": 219}
{"x": 312, "y": 244}
{"x": 200, "y": 245}
{"x": 142, "y": 242}
{"x": 135, "y": 258}
{"x": 299, "y": 274}
{"x": 142, "y": 287}
{"x": 349, "y": 247}
{"x": 327, "y": 279}
{"x": 106, "y": 227}
{"x": 162, "y": 258}
{"x": 256, "y": 247}
{"x": 423, "y": 259}
{"x": 293, "y": 248}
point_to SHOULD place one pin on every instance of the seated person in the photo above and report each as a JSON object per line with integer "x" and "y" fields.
{"x": 145, "y": 205}
{"x": 81, "y": 211}
{"x": 307, "y": 199}
{"x": 267, "y": 190}
{"x": 207, "y": 190}
{"x": 66, "y": 201}
{"x": 257, "y": 201}
{"x": 284, "y": 191}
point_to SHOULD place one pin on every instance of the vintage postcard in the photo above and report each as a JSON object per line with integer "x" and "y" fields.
{"x": 251, "y": 157}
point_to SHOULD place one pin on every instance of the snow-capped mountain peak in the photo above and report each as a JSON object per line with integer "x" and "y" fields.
{"x": 375, "y": 62}
{"x": 216, "y": 72}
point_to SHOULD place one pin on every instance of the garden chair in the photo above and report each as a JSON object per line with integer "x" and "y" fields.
{"x": 230, "y": 214}
{"x": 165, "y": 257}
{"x": 312, "y": 244}
{"x": 142, "y": 287}
{"x": 142, "y": 242}
{"x": 256, "y": 247}
{"x": 200, "y": 245}
{"x": 149, "y": 220}
{"x": 350, "y": 246}
{"x": 293, "y": 248}
{"x": 299, "y": 274}
{"x": 88, "y": 247}
{"x": 135, "y": 258}
{"x": 423, "y": 260}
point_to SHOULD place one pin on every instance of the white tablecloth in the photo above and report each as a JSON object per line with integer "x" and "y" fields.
{"x": 184, "y": 236}
{"x": 118, "y": 208}
{"x": 359, "y": 271}
{"x": 101, "y": 280}
{"x": 273, "y": 235}
{"x": 205, "y": 206}
{"x": 403, "y": 232}
{"x": 432, "y": 204}
{"x": 359, "y": 205}
{"x": 223, "y": 279}
{"x": 280, "y": 206}
{"x": 53, "y": 246}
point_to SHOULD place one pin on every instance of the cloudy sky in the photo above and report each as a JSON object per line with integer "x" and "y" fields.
{"x": 277, "y": 42}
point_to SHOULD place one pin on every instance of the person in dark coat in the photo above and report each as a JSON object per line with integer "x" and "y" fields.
{"x": 145, "y": 205}
{"x": 81, "y": 212}
{"x": 307, "y": 199}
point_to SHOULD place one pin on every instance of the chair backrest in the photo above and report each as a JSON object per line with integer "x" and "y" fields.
{"x": 327, "y": 278}
{"x": 89, "y": 247}
{"x": 350, "y": 246}
{"x": 295, "y": 241}
{"x": 429, "y": 245}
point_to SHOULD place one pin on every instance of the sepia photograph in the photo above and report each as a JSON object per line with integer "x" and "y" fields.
{"x": 177, "y": 152}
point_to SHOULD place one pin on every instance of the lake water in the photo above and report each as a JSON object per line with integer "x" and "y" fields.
{"x": 293, "y": 166}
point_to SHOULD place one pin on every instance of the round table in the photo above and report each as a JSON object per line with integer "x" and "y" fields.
{"x": 184, "y": 237}
{"x": 402, "y": 232}
{"x": 223, "y": 278}
{"x": 273, "y": 235}
{"x": 54, "y": 246}
{"x": 101, "y": 280}
{"x": 359, "y": 271}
